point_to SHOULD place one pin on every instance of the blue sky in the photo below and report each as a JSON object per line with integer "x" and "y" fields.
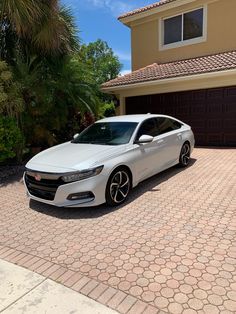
{"x": 98, "y": 19}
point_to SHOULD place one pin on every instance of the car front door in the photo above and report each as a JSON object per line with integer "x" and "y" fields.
{"x": 146, "y": 156}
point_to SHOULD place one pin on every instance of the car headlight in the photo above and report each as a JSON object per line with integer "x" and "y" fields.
{"x": 81, "y": 175}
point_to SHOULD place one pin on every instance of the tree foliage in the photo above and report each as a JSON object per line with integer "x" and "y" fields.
{"x": 11, "y": 101}
{"x": 104, "y": 65}
{"x": 102, "y": 60}
{"x": 11, "y": 139}
{"x": 55, "y": 94}
{"x": 49, "y": 83}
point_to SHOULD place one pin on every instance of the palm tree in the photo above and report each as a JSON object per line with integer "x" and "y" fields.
{"x": 38, "y": 38}
{"x": 36, "y": 26}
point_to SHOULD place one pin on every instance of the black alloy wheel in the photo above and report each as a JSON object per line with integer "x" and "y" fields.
{"x": 184, "y": 155}
{"x": 118, "y": 187}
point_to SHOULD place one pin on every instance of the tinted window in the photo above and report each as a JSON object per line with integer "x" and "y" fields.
{"x": 193, "y": 24}
{"x": 173, "y": 30}
{"x": 183, "y": 27}
{"x": 107, "y": 133}
{"x": 177, "y": 125}
{"x": 167, "y": 125}
{"x": 148, "y": 127}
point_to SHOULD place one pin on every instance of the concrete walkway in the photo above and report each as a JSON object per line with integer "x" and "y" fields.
{"x": 23, "y": 291}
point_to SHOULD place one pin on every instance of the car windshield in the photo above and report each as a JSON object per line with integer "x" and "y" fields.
{"x": 107, "y": 133}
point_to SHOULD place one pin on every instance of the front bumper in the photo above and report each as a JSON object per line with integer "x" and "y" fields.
{"x": 96, "y": 185}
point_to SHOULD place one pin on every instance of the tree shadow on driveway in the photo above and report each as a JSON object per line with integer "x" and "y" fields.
{"x": 147, "y": 185}
{"x": 11, "y": 177}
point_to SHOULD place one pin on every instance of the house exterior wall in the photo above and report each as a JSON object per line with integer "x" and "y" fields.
{"x": 221, "y": 26}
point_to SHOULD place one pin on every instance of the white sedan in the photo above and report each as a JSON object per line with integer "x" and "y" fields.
{"x": 107, "y": 159}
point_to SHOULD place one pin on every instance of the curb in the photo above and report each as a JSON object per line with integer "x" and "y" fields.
{"x": 97, "y": 291}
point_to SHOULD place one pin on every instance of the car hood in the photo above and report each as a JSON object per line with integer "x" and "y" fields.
{"x": 70, "y": 156}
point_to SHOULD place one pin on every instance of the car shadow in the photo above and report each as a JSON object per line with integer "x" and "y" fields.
{"x": 147, "y": 185}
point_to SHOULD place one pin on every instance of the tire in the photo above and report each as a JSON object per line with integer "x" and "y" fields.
{"x": 118, "y": 187}
{"x": 184, "y": 156}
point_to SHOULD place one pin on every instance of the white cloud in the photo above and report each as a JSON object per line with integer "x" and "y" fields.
{"x": 116, "y": 7}
{"x": 124, "y": 72}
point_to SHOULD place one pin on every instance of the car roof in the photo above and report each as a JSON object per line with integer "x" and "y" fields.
{"x": 133, "y": 118}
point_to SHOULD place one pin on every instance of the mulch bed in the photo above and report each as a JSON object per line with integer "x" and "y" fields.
{"x": 8, "y": 172}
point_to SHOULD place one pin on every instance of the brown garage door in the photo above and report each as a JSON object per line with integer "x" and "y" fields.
{"x": 210, "y": 112}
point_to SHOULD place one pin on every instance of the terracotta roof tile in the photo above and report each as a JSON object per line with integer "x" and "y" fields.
{"x": 146, "y": 8}
{"x": 155, "y": 72}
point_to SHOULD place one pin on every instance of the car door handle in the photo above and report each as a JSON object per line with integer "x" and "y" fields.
{"x": 160, "y": 141}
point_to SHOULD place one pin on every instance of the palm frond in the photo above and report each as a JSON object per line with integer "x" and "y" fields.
{"x": 70, "y": 40}
{"x": 21, "y": 13}
{"x": 57, "y": 32}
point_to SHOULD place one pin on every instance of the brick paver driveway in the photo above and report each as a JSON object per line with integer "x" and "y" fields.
{"x": 171, "y": 248}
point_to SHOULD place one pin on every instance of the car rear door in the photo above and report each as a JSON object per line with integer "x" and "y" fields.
{"x": 170, "y": 140}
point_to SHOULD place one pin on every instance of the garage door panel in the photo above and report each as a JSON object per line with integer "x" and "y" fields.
{"x": 230, "y": 92}
{"x": 185, "y": 97}
{"x": 198, "y": 95}
{"x": 214, "y": 109}
{"x": 201, "y": 139}
{"x": 214, "y": 126}
{"x": 198, "y": 126}
{"x": 229, "y": 139}
{"x": 215, "y": 94}
{"x": 230, "y": 109}
{"x": 210, "y": 112}
{"x": 198, "y": 109}
{"x": 229, "y": 125}
{"x": 183, "y": 109}
{"x": 214, "y": 139}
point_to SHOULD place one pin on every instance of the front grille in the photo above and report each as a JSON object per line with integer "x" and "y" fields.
{"x": 44, "y": 188}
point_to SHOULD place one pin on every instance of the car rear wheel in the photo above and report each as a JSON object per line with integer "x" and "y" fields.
{"x": 184, "y": 155}
{"x": 118, "y": 187}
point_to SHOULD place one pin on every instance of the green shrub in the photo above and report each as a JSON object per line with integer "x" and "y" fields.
{"x": 108, "y": 110}
{"x": 11, "y": 139}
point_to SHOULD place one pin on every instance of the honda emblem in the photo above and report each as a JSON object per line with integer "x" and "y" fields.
{"x": 37, "y": 177}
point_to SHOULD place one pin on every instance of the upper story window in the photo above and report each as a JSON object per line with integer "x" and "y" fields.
{"x": 183, "y": 29}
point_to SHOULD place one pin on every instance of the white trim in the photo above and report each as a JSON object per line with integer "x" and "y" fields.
{"x": 183, "y": 42}
{"x": 172, "y": 80}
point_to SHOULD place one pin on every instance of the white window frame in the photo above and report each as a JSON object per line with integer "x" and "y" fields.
{"x": 182, "y": 43}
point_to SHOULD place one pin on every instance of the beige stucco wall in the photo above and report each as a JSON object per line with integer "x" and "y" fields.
{"x": 221, "y": 34}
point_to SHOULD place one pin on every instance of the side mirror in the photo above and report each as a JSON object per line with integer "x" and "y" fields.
{"x": 76, "y": 135}
{"x": 144, "y": 139}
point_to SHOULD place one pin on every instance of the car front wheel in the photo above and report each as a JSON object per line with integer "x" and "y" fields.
{"x": 118, "y": 187}
{"x": 184, "y": 155}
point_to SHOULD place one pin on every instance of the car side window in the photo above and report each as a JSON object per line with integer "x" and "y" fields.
{"x": 167, "y": 125}
{"x": 176, "y": 125}
{"x": 148, "y": 127}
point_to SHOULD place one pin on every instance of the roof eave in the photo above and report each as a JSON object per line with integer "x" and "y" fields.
{"x": 224, "y": 73}
{"x": 127, "y": 20}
